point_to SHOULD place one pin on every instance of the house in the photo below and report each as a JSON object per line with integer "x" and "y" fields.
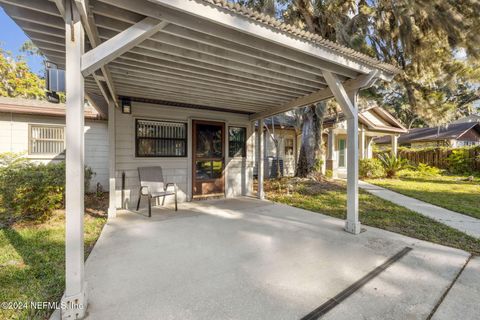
{"x": 282, "y": 143}
{"x": 374, "y": 122}
{"x": 453, "y": 135}
{"x": 37, "y": 129}
{"x": 183, "y": 83}
{"x": 470, "y": 118}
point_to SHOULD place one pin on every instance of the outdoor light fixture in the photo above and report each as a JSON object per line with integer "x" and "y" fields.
{"x": 126, "y": 106}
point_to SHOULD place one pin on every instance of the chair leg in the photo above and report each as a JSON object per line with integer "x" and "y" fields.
{"x": 163, "y": 201}
{"x": 149, "y": 206}
{"x": 176, "y": 208}
{"x": 138, "y": 202}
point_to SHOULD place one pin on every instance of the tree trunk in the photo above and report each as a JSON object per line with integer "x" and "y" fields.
{"x": 311, "y": 145}
{"x": 306, "y": 158}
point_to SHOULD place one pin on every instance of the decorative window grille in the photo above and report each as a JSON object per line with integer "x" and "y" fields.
{"x": 160, "y": 138}
{"x": 46, "y": 139}
{"x": 237, "y": 142}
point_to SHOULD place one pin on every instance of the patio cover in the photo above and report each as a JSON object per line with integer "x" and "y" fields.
{"x": 252, "y": 62}
{"x": 207, "y": 54}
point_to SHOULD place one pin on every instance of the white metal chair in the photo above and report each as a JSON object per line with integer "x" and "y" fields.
{"x": 153, "y": 186}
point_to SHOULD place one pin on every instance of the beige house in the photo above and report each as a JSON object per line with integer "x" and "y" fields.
{"x": 37, "y": 129}
{"x": 373, "y": 122}
{"x": 282, "y": 142}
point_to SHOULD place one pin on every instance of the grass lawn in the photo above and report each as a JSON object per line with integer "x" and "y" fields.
{"x": 32, "y": 258}
{"x": 330, "y": 198}
{"x": 444, "y": 191}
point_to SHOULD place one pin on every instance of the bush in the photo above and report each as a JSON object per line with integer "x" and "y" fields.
{"x": 460, "y": 162}
{"x": 422, "y": 170}
{"x": 392, "y": 164}
{"x": 32, "y": 191}
{"x": 371, "y": 168}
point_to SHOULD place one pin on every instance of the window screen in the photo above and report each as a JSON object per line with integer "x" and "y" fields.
{"x": 161, "y": 139}
{"x": 46, "y": 139}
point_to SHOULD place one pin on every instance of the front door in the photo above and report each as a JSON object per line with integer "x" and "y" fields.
{"x": 208, "y": 158}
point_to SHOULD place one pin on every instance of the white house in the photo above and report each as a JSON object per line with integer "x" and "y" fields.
{"x": 195, "y": 76}
{"x": 37, "y": 129}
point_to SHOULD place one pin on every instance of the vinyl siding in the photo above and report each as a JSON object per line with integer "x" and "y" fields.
{"x": 14, "y": 137}
{"x": 238, "y": 173}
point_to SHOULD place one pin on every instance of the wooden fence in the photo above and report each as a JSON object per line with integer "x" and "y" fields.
{"x": 437, "y": 157}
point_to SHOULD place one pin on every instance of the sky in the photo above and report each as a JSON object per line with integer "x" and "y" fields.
{"x": 12, "y": 38}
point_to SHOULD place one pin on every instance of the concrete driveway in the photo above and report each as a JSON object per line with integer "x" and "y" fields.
{"x": 249, "y": 259}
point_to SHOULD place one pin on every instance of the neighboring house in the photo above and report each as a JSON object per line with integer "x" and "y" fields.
{"x": 280, "y": 129}
{"x": 470, "y": 118}
{"x": 37, "y": 128}
{"x": 453, "y": 135}
{"x": 373, "y": 122}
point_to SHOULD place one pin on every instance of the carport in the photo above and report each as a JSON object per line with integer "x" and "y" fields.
{"x": 202, "y": 54}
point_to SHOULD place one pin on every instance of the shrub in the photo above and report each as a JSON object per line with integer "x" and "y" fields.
{"x": 422, "y": 170}
{"x": 371, "y": 168}
{"x": 460, "y": 162}
{"x": 32, "y": 191}
{"x": 428, "y": 171}
{"x": 392, "y": 164}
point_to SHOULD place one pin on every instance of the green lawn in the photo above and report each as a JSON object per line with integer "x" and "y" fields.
{"x": 448, "y": 192}
{"x": 330, "y": 198}
{"x": 32, "y": 261}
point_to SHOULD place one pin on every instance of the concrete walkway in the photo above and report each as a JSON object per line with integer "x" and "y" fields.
{"x": 249, "y": 259}
{"x": 463, "y": 299}
{"x": 464, "y": 223}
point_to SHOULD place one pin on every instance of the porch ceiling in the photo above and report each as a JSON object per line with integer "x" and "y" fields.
{"x": 207, "y": 53}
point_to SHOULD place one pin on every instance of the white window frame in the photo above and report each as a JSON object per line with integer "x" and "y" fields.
{"x": 32, "y": 154}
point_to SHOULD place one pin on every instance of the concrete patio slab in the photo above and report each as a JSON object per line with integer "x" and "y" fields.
{"x": 463, "y": 300}
{"x": 461, "y": 222}
{"x": 249, "y": 259}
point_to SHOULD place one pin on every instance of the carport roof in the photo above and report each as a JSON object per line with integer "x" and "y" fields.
{"x": 209, "y": 53}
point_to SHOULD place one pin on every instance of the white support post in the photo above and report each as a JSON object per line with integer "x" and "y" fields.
{"x": 361, "y": 143}
{"x": 352, "y": 224}
{"x": 75, "y": 286}
{"x": 261, "y": 159}
{"x": 348, "y": 103}
{"x": 394, "y": 145}
{"x": 369, "y": 151}
{"x": 112, "y": 205}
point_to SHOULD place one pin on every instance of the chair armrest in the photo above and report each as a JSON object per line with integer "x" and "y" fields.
{"x": 142, "y": 188}
{"x": 171, "y": 184}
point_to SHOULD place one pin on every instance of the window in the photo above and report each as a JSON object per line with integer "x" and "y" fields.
{"x": 237, "y": 142}
{"x": 46, "y": 139}
{"x": 341, "y": 153}
{"x": 160, "y": 138}
{"x": 288, "y": 147}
